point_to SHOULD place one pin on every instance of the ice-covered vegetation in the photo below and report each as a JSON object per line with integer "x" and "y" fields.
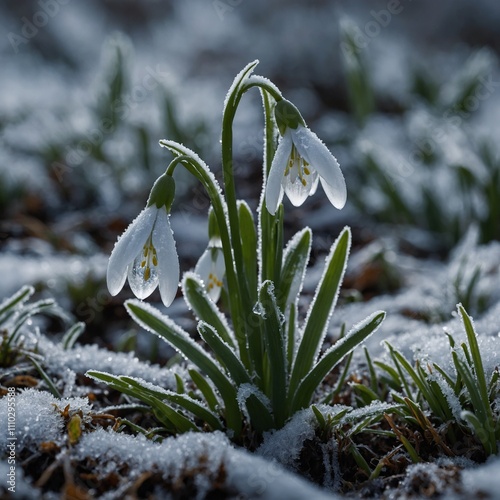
{"x": 308, "y": 351}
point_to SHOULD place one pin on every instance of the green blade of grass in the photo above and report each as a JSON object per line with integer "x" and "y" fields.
{"x": 52, "y": 388}
{"x": 475, "y": 354}
{"x": 18, "y": 299}
{"x": 72, "y": 335}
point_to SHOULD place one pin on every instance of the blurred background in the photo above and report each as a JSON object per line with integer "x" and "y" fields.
{"x": 406, "y": 94}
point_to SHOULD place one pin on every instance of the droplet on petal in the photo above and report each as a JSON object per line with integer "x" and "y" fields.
{"x": 142, "y": 279}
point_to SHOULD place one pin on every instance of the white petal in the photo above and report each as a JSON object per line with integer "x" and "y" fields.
{"x": 297, "y": 193}
{"x": 319, "y": 157}
{"x": 219, "y": 270}
{"x": 204, "y": 266}
{"x": 274, "y": 190}
{"x": 219, "y": 265}
{"x": 127, "y": 247}
{"x": 211, "y": 262}
{"x": 168, "y": 260}
{"x": 314, "y": 181}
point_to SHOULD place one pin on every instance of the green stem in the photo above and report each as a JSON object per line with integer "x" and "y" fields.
{"x": 232, "y": 208}
{"x": 253, "y": 333}
{"x": 210, "y": 184}
{"x": 267, "y": 221}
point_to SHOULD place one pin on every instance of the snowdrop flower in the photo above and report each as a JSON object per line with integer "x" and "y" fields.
{"x": 300, "y": 162}
{"x": 146, "y": 252}
{"x": 211, "y": 267}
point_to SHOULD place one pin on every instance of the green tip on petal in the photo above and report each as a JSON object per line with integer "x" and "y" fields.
{"x": 163, "y": 192}
{"x": 287, "y": 116}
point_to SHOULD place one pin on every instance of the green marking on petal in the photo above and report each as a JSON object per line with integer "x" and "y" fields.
{"x": 287, "y": 116}
{"x": 163, "y": 192}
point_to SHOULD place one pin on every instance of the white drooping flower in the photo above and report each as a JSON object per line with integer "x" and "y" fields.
{"x": 300, "y": 162}
{"x": 146, "y": 252}
{"x": 211, "y": 269}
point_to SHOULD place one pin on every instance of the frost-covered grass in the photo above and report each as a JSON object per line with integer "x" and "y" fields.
{"x": 368, "y": 433}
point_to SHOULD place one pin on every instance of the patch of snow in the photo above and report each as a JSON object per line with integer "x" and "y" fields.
{"x": 205, "y": 453}
{"x": 37, "y": 418}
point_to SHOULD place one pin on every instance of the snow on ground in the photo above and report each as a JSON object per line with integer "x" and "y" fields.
{"x": 39, "y": 420}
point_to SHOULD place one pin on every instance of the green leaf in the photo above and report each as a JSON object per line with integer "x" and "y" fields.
{"x": 437, "y": 403}
{"x": 182, "y": 400}
{"x": 26, "y": 313}
{"x": 332, "y": 357}
{"x": 371, "y": 369}
{"x": 260, "y": 416}
{"x": 72, "y": 335}
{"x": 319, "y": 417}
{"x": 359, "y": 459}
{"x": 488, "y": 439}
{"x": 205, "y": 389}
{"x": 291, "y": 328}
{"x": 293, "y": 271}
{"x": 152, "y": 320}
{"x": 179, "y": 384}
{"x": 358, "y": 79}
{"x": 274, "y": 337}
{"x": 366, "y": 394}
{"x": 204, "y": 308}
{"x": 400, "y": 370}
{"x": 395, "y": 379}
{"x": 15, "y": 301}
{"x": 52, "y": 388}
{"x": 225, "y": 353}
{"x": 249, "y": 246}
{"x": 182, "y": 423}
{"x": 165, "y": 413}
{"x": 475, "y": 353}
{"x": 321, "y": 308}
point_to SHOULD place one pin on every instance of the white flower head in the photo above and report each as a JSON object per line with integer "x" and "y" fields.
{"x": 146, "y": 252}
{"x": 300, "y": 162}
{"x": 211, "y": 269}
